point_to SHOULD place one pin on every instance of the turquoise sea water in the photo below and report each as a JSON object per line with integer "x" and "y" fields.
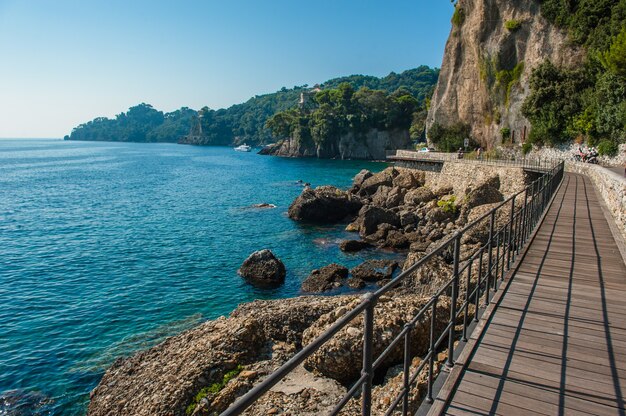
{"x": 107, "y": 248}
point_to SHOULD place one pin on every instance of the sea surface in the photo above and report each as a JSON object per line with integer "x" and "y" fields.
{"x": 108, "y": 248}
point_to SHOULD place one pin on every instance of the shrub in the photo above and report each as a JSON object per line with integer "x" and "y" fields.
{"x": 212, "y": 389}
{"x": 607, "y": 147}
{"x": 513, "y": 24}
{"x": 447, "y": 204}
{"x": 449, "y": 138}
{"x": 458, "y": 17}
{"x": 505, "y": 133}
{"x": 507, "y": 78}
{"x": 526, "y": 148}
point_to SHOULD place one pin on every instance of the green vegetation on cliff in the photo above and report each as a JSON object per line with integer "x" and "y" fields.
{"x": 588, "y": 102}
{"x": 342, "y": 110}
{"x": 241, "y": 122}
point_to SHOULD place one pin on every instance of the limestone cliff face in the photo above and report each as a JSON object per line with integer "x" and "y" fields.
{"x": 493, "y": 47}
{"x": 372, "y": 145}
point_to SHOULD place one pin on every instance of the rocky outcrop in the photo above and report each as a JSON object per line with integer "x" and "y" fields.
{"x": 371, "y": 145}
{"x": 480, "y": 47}
{"x": 324, "y": 279}
{"x": 325, "y": 204}
{"x": 341, "y": 357}
{"x": 408, "y": 209}
{"x": 263, "y": 269}
{"x": 164, "y": 379}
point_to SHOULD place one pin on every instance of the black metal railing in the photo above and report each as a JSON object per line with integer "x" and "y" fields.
{"x": 474, "y": 279}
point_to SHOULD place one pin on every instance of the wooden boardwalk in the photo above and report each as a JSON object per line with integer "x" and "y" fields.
{"x": 555, "y": 343}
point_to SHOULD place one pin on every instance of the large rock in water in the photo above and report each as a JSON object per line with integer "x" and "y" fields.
{"x": 351, "y": 246}
{"x": 325, "y": 204}
{"x": 327, "y": 278}
{"x": 263, "y": 269}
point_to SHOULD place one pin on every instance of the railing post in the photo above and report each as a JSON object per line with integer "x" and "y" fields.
{"x": 407, "y": 368}
{"x": 492, "y": 220}
{"x": 510, "y": 237}
{"x": 431, "y": 360}
{"x": 478, "y": 285}
{"x": 533, "y": 205}
{"x": 497, "y": 265}
{"x": 467, "y": 299}
{"x": 525, "y": 214}
{"x": 368, "y": 335}
{"x": 454, "y": 295}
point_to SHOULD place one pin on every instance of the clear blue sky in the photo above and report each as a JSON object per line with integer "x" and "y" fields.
{"x": 65, "y": 62}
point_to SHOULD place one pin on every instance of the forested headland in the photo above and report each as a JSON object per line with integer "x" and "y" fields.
{"x": 244, "y": 122}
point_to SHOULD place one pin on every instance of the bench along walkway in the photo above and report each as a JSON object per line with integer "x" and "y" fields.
{"x": 555, "y": 342}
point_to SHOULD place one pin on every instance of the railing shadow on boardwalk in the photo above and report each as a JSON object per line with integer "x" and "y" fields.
{"x": 510, "y": 225}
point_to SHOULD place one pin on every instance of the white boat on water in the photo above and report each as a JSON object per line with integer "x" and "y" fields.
{"x": 243, "y": 148}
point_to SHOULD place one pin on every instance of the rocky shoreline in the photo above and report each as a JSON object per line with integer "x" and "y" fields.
{"x": 203, "y": 370}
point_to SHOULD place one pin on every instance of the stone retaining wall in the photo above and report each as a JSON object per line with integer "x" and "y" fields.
{"x": 610, "y": 185}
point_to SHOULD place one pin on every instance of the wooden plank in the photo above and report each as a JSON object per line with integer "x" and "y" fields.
{"x": 602, "y": 396}
{"x": 545, "y": 396}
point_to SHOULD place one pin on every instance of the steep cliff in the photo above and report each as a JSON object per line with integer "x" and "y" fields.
{"x": 492, "y": 49}
{"x": 372, "y": 145}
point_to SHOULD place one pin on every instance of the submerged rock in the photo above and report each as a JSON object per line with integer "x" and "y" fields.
{"x": 325, "y": 204}
{"x": 351, "y": 246}
{"x": 263, "y": 205}
{"x": 263, "y": 269}
{"x": 326, "y": 278}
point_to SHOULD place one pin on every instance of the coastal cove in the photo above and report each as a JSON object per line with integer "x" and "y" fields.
{"x": 108, "y": 248}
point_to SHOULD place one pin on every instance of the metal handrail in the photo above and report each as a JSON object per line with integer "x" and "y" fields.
{"x": 441, "y": 157}
{"x": 505, "y": 239}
